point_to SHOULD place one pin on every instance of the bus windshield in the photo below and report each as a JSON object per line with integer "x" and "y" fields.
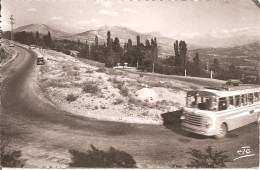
{"x": 201, "y": 102}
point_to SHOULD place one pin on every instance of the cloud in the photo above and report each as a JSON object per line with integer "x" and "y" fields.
{"x": 32, "y": 10}
{"x": 172, "y": 35}
{"x": 128, "y": 10}
{"x": 191, "y": 34}
{"x": 106, "y": 4}
{"x": 225, "y": 31}
{"x": 56, "y": 18}
{"x": 130, "y": 25}
{"x": 82, "y": 23}
{"x": 106, "y": 12}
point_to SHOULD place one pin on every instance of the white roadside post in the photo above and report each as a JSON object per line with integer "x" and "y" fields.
{"x": 185, "y": 72}
{"x": 211, "y": 74}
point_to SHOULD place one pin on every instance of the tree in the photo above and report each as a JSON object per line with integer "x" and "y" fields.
{"x": 183, "y": 54}
{"x": 87, "y": 49}
{"x": 37, "y": 37}
{"x": 209, "y": 159}
{"x": 147, "y": 44}
{"x": 138, "y": 40}
{"x": 47, "y": 39}
{"x": 30, "y": 39}
{"x": 196, "y": 66}
{"x": 215, "y": 65}
{"x": 96, "y": 158}
{"x": 96, "y": 41}
{"x": 177, "y": 54}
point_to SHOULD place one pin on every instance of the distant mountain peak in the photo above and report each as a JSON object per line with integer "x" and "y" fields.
{"x": 42, "y": 29}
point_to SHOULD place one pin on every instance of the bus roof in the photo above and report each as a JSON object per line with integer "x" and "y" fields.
{"x": 225, "y": 91}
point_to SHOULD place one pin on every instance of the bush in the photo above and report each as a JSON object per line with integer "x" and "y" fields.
{"x": 118, "y": 101}
{"x": 209, "y": 159}
{"x": 11, "y": 159}
{"x": 134, "y": 101}
{"x": 90, "y": 88}
{"x": 101, "y": 70}
{"x": 71, "y": 97}
{"x": 123, "y": 90}
{"x": 96, "y": 158}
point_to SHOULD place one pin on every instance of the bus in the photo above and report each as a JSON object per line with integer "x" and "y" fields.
{"x": 213, "y": 111}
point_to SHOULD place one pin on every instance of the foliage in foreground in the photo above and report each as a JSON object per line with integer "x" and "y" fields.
{"x": 207, "y": 159}
{"x": 96, "y": 158}
{"x": 11, "y": 159}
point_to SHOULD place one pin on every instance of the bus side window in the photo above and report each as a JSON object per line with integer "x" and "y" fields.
{"x": 238, "y": 101}
{"x": 256, "y": 97}
{"x": 231, "y": 102}
{"x": 222, "y": 104}
{"x": 244, "y": 99}
{"x": 251, "y": 98}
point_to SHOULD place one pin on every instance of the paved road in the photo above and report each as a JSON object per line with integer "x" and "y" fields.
{"x": 45, "y": 134}
{"x": 203, "y": 82}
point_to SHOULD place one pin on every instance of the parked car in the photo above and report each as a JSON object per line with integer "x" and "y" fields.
{"x": 31, "y": 47}
{"x": 40, "y": 60}
{"x": 234, "y": 82}
{"x": 11, "y": 44}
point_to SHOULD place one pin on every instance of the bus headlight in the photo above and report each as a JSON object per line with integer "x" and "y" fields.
{"x": 183, "y": 115}
{"x": 207, "y": 122}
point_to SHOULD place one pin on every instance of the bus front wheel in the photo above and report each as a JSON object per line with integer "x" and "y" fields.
{"x": 222, "y": 131}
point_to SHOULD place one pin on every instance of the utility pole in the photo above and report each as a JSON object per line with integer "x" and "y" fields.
{"x": 207, "y": 65}
{"x": 12, "y": 23}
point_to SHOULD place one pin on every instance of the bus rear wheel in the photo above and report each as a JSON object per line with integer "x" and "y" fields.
{"x": 222, "y": 131}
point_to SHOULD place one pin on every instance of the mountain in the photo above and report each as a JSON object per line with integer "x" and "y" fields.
{"x": 243, "y": 55}
{"x": 42, "y": 29}
{"x": 225, "y": 38}
{"x": 165, "y": 44}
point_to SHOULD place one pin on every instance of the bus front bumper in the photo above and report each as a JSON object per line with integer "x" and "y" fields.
{"x": 198, "y": 130}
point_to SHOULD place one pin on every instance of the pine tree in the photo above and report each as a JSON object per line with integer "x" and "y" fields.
{"x": 183, "y": 54}
{"x": 215, "y": 65}
{"x": 87, "y": 55}
{"x": 177, "y": 61}
{"x": 96, "y": 41}
{"x": 138, "y": 40}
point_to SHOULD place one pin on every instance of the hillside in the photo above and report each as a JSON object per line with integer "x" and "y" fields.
{"x": 165, "y": 44}
{"x": 42, "y": 29}
{"x": 244, "y": 55}
{"x": 226, "y": 38}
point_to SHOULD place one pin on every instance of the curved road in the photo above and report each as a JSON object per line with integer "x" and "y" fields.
{"x": 45, "y": 135}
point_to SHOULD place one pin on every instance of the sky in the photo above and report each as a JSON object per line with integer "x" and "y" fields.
{"x": 172, "y": 18}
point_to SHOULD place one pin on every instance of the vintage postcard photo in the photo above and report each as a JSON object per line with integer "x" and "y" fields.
{"x": 130, "y": 84}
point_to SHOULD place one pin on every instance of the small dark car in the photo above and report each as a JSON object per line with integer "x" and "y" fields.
{"x": 40, "y": 60}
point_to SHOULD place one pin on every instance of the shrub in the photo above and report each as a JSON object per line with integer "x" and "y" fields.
{"x": 71, "y": 97}
{"x": 132, "y": 100}
{"x": 209, "y": 159}
{"x": 89, "y": 71}
{"x": 11, "y": 159}
{"x": 101, "y": 70}
{"x": 123, "y": 90}
{"x": 118, "y": 101}
{"x": 90, "y": 88}
{"x": 76, "y": 68}
{"x": 96, "y": 158}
